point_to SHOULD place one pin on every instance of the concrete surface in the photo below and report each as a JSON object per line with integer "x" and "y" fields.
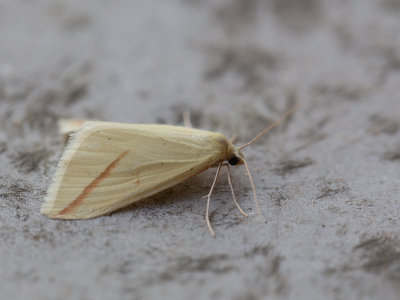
{"x": 328, "y": 178}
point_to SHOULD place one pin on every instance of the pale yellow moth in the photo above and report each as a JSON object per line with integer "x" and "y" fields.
{"x": 107, "y": 166}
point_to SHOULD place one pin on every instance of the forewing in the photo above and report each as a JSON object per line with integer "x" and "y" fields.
{"x": 107, "y": 166}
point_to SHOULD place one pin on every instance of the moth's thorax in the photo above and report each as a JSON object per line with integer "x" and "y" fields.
{"x": 230, "y": 150}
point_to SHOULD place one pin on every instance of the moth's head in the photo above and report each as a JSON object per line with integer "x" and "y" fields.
{"x": 236, "y": 157}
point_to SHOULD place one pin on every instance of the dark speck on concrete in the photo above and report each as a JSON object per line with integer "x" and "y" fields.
{"x": 29, "y": 160}
{"x": 380, "y": 124}
{"x": 381, "y": 254}
{"x": 290, "y": 166}
{"x": 392, "y": 156}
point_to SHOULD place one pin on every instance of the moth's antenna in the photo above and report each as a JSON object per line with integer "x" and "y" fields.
{"x": 276, "y": 123}
{"x": 252, "y": 186}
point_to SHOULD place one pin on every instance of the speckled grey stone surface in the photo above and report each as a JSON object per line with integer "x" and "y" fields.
{"x": 327, "y": 179}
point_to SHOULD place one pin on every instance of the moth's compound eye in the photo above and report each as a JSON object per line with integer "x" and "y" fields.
{"x": 233, "y": 161}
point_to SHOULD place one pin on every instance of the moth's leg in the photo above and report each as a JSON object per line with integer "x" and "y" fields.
{"x": 253, "y": 187}
{"x": 186, "y": 119}
{"x": 208, "y": 201}
{"x": 233, "y": 193}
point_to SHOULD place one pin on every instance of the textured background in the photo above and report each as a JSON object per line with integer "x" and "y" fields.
{"x": 327, "y": 179}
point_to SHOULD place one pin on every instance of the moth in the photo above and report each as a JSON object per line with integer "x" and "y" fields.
{"x": 107, "y": 166}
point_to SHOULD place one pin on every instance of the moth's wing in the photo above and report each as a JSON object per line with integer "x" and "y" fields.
{"x": 69, "y": 126}
{"x": 107, "y": 166}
